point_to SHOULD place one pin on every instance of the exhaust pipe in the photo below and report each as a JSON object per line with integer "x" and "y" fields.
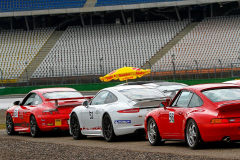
{"x": 56, "y": 129}
{"x": 226, "y": 139}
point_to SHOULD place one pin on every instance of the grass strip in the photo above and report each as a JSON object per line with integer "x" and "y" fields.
{"x": 2, "y": 126}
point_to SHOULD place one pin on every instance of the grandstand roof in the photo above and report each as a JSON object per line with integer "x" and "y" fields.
{"x": 12, "y": 10}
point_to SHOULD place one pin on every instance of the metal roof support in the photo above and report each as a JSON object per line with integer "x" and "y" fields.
{"x": 189, "y": 13}
{"x": 26, "y": 23}
{"x": 11, "y": 21}
{"x": 34, "y": 24}
{"x": 211, "y": 9}
{"x": 91, "y": 19}
{"x": 82, "y": 19}
{"x": 133, "y": 15}
{"x": 124, "y": 21}
{"x": 179, "y": 18}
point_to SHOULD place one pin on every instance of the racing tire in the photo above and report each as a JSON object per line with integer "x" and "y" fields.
{"x": 154, "y": 137}
{"x": 34, "y": 129}
{"x": 193, "y": 137}
{"x": 9, "y": 125}
{"x": 75, "y": 127}
{"x": 108, "y": 131}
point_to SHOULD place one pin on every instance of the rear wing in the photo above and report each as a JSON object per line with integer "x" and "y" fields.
{"x": 65, "y": 99}
{"x": 149, "y": 103}
{"x": 228, "y": 106}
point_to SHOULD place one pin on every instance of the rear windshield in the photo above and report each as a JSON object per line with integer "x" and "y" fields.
{"x": 141, "y": 93}
{"x": 52, "y": 95}
{"x": 224, "y": 94}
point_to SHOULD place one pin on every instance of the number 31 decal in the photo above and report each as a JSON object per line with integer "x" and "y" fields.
{"x": 91, "y": 115}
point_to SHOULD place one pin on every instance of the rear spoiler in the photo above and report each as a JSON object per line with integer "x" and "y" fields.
{"x": 149, "y": 103}
{"x": 228, "y": 106}
{"x": 64, "y": 99}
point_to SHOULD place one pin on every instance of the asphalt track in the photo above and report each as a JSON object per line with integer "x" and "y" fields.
{"x": 133, "y": 144}
{"x": 129, "y": 143}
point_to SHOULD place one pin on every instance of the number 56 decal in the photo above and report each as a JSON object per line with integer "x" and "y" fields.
{"x": 171, "y": 117}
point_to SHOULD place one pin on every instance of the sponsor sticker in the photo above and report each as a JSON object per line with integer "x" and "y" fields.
{"x": 171, "y": 117}
{"x": 122, "y": 121}
{"x": 50, "y": 124}
{"x": 58, "y": 122}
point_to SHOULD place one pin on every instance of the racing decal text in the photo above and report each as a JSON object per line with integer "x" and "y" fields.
{"x": 122, "y": 121}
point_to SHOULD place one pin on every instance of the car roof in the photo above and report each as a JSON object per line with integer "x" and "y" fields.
{"x": 165, "y": 83}
{"x": 118, "y": 88}
{"x": 45, "y": 90}
{"x": 207, "y": 86}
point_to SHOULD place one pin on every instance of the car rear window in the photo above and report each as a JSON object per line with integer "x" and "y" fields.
{"x": 141, "y": 93}
{"x": 223, "y": 94}
{"x": 52, "y": 95}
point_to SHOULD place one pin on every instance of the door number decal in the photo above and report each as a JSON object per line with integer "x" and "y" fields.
{"x": 15, "y": 112}
{"x": 171, "y": 117}
{"x": 91, "y": 115}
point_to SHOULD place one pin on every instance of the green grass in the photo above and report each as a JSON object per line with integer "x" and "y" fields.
{"x": 2, "y": 126}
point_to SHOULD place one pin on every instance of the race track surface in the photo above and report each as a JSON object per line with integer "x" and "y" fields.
{"x": 62, "y": 146}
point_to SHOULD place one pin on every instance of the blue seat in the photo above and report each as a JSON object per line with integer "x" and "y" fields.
{"x": 28, "y": 5}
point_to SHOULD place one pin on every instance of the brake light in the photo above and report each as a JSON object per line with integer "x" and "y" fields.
{"x": 233, "y": 120}
{"x": 218, "y": 120}
{"x": 50, "y": 111}
{"x": 134, "y": 110}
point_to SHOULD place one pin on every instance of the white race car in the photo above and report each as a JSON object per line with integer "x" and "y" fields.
{"x": 114, "y": 111}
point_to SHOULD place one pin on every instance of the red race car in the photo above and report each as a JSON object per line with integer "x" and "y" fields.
{"x": 199, "y": 113}
{"x": 43, "y": 110}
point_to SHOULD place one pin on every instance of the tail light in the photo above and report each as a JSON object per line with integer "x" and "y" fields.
{"x": 134, "y": 110}
{"x": 219, "y": 120}
{"x": 50, "y": 111}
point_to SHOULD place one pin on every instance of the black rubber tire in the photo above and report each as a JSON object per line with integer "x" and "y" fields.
{"x": 108, "y": 131}
{"x": 34, "y": 130}
{"x": 10, "y": 125}
{"x": 193, "y": 137}
{"x": 154, "y": 137}
{"x": 75, "y": 127}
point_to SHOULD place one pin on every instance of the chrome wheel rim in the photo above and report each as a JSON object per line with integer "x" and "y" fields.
{"x": 9, "y": 123}
{"x": 152, "y": 131}
{"x": 192, "y": 134}
{"x": 74, "y": 126}
{"x": 107, "y": 127}
{"x": 33, "y": 126}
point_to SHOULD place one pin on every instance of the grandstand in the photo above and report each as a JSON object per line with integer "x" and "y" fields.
{"x": 120, "y": 46}
{"x": 212, "y": 41}
{"x": 62, "y": 39}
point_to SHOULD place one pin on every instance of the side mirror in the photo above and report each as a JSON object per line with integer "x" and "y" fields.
{"x": 16, "y": 103}
{"x": 85, "y": 103}
{"x": 168, "y": 100}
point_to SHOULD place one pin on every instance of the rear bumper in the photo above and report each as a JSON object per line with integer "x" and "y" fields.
{"x": 216, "y": 132}
{"x": 53, "y": 122}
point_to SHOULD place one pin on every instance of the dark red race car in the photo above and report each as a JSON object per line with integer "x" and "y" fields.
{"x": 43, "y": 110}
{"x": 199, "y": 113}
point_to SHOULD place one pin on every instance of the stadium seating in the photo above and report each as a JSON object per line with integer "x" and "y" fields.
{"x": 212, "y": 43}
{"x": 127, "y": 2}
{"x": 18, "y": 48}
{"x": 104, "y": 48}
{"x": 30, "y": 5}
